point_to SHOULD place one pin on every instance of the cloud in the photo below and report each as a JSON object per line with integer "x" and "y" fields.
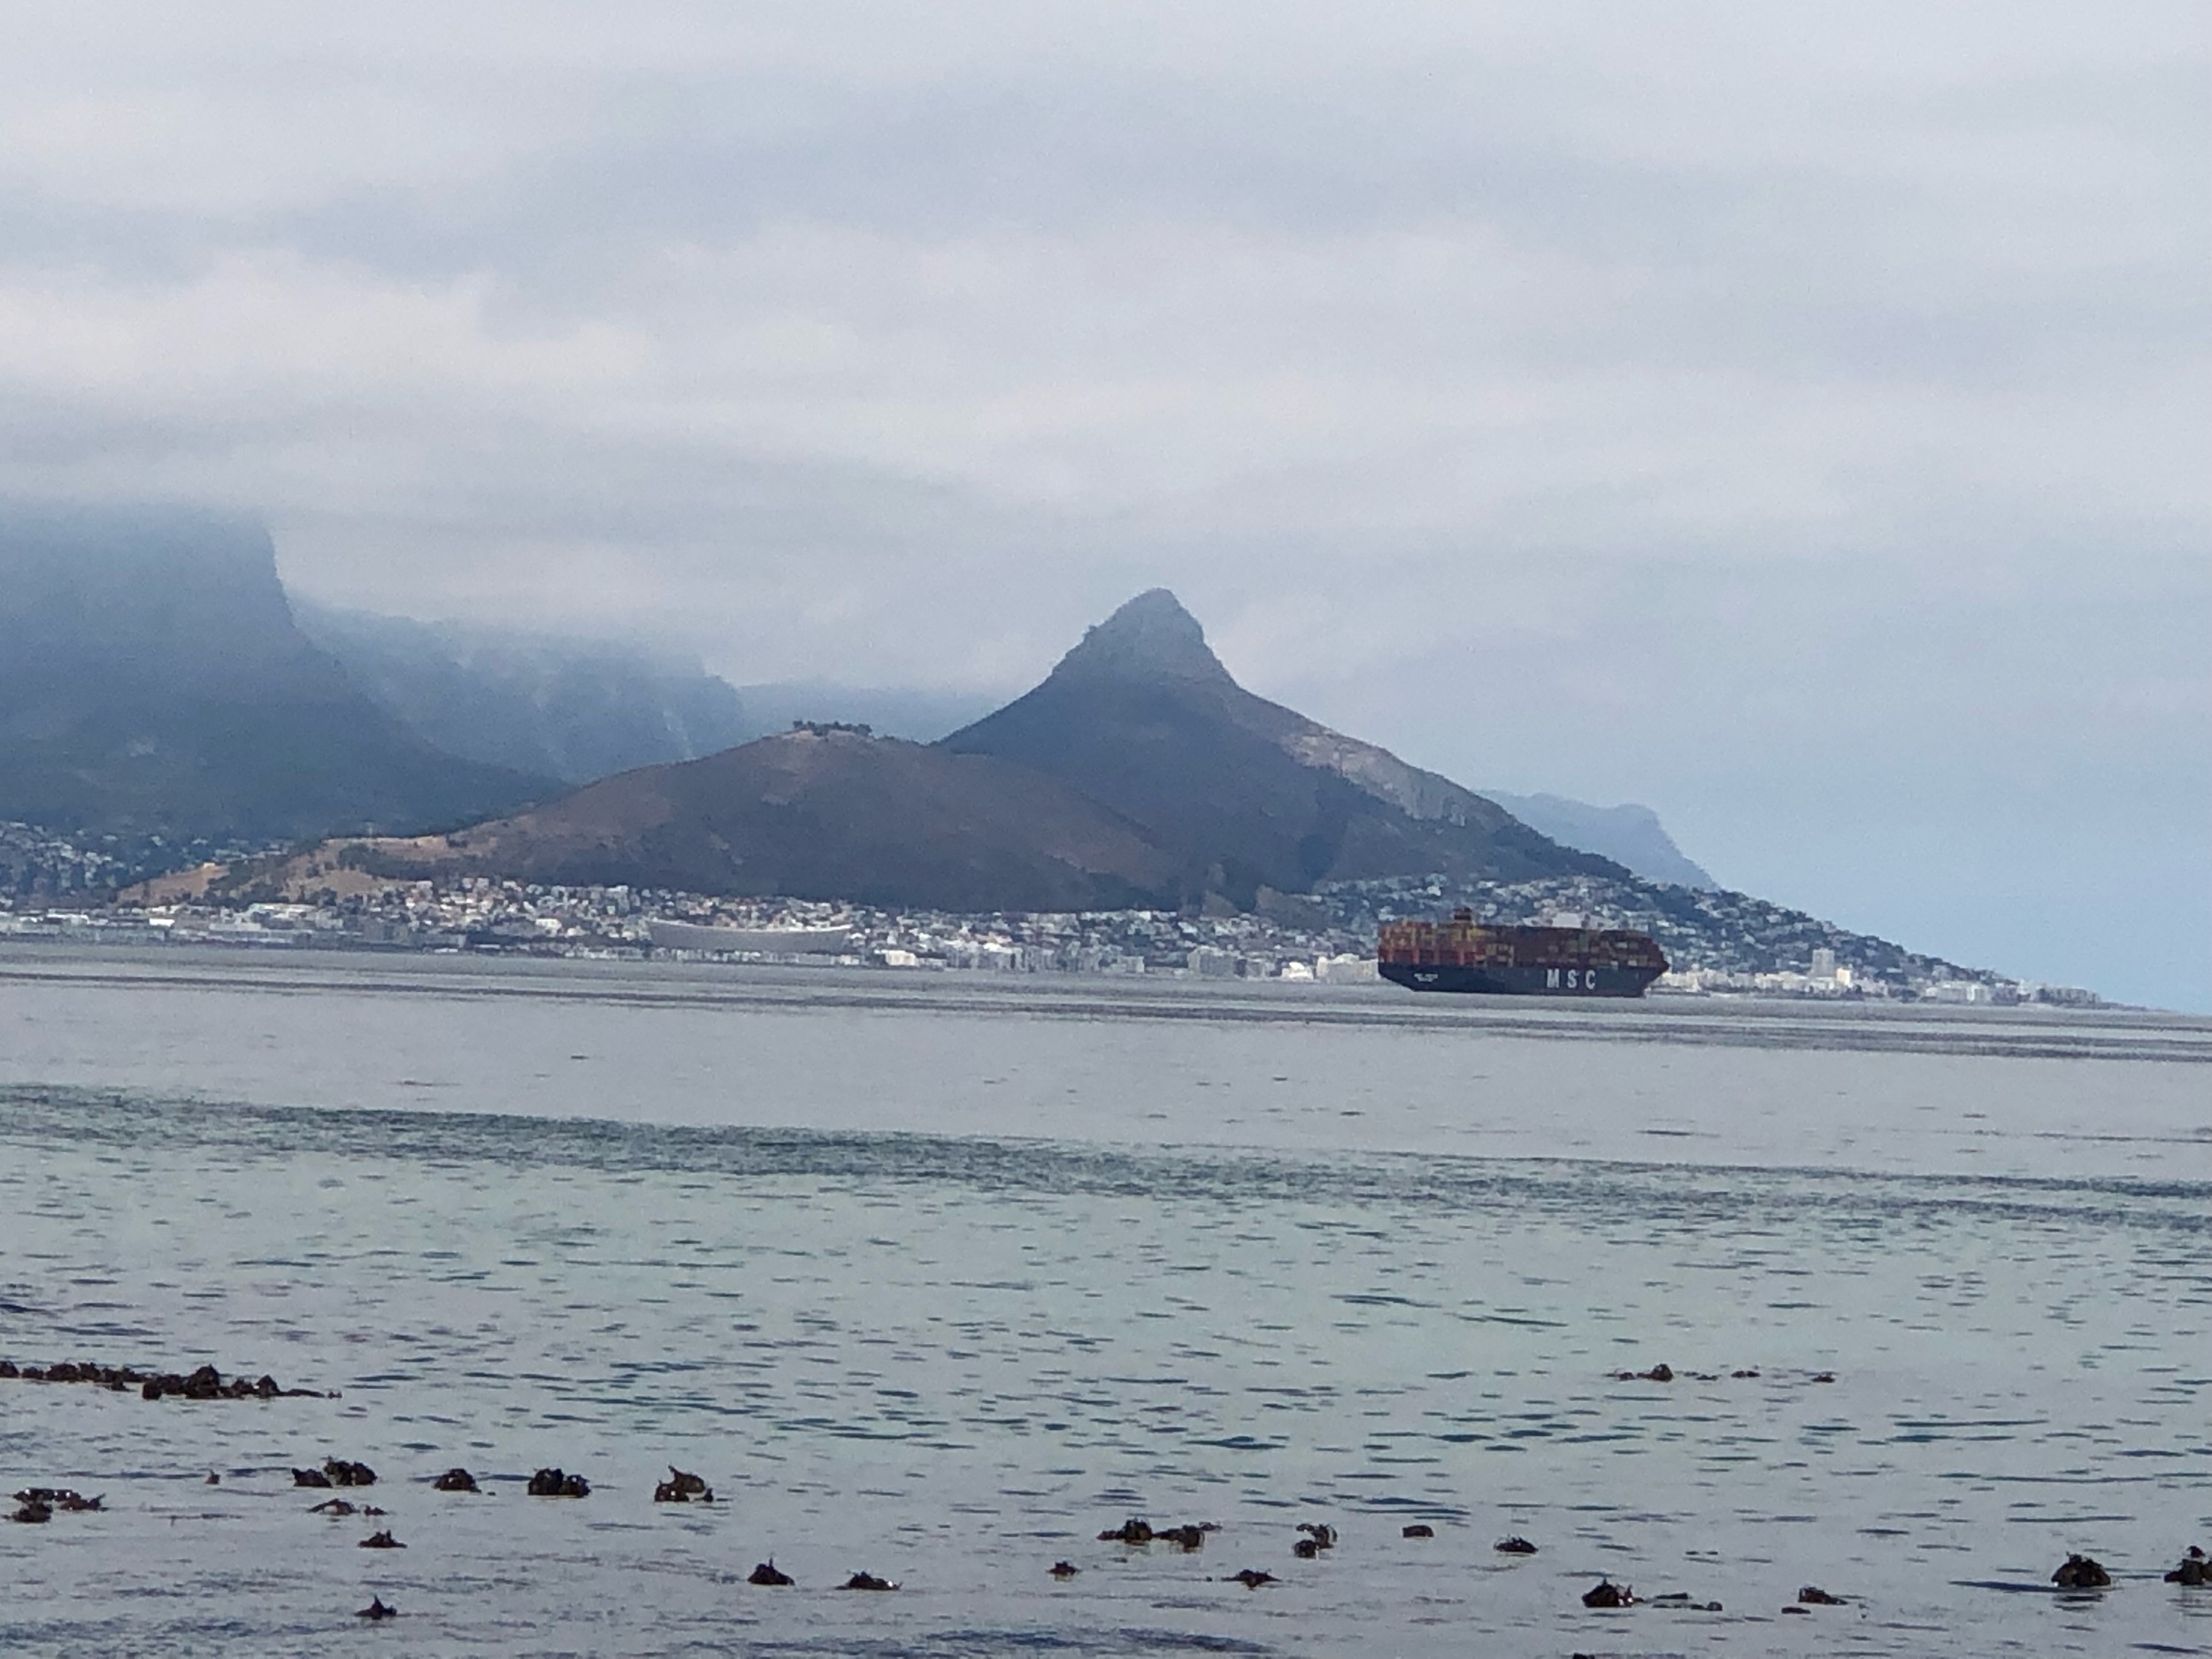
{"x": 1822, "y": 377}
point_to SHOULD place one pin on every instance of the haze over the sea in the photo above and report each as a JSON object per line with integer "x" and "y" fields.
{"x": 1788, "y": 418}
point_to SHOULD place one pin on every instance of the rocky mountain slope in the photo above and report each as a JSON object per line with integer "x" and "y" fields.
{"x": 1139, "y": 773}
{"x": 1142, "y": 718}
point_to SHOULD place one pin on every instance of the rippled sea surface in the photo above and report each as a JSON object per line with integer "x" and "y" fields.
{"x": 937, "y": 1282}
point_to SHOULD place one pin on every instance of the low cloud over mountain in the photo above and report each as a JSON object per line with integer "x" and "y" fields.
{"x": 153, "y": 682}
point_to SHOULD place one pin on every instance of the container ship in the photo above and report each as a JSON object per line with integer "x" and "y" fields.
{"x": 1462, "y": 954}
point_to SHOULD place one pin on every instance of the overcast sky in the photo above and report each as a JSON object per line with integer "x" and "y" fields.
{"x": 1791, "y": 417}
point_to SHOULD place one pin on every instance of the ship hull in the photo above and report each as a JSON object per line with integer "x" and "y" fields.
{"x": 1499, "y": 980}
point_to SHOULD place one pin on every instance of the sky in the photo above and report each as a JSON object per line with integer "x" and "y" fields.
{"x": 1793, "y": 417}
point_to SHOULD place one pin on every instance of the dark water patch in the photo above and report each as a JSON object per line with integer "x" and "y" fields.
{"x": 1779, "y": 1198}
{"x": 957, "y": 1642}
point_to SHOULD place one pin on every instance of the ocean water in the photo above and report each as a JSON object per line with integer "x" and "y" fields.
{"x": 938, "y": 1278}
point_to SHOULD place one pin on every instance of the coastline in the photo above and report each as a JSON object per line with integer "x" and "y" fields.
{"x": 2023, "y": 1030}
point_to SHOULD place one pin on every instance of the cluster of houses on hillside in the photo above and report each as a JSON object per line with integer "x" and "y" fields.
{"x": 1719, "y": 944}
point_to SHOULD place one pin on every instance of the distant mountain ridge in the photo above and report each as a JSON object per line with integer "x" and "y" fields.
{"x": 1138, "y": 773}
{"x": 153, "y": 681}
{"x": 1630, "y": 836}
{"x": 573, "y": 709}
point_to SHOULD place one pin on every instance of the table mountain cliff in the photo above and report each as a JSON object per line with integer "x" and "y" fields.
{"x": 153, "y": 681}
{"x": 573, "y": 709}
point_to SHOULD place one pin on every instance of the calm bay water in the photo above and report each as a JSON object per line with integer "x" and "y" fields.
{"x": 938, "y": 1280}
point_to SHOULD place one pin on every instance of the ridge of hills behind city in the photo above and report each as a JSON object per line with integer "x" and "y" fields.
{"x": 165, "y": 699}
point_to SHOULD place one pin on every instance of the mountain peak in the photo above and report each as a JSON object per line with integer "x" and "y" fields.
{"x": 1152, "y": 637}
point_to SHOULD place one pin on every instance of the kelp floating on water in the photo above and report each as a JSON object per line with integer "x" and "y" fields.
{"x": 207, "y": 1383}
